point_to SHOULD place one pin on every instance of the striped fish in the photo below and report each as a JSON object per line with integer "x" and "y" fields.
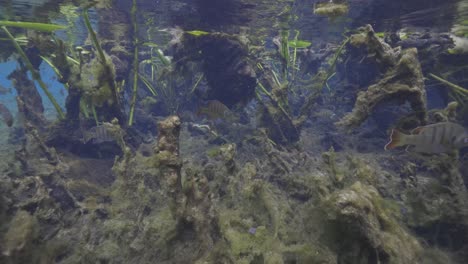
{"x": 436, "y": 138}
{"x": 214, "y": 109}
{"x": 98, "y": 134}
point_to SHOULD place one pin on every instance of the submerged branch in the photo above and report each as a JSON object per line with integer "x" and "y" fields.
{"x": 34, "y": 73}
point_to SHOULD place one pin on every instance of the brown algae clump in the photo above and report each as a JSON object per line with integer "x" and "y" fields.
{"x": 331, "y": 9}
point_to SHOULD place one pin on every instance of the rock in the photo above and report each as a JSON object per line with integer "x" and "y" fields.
{"x": 365, "y": 229}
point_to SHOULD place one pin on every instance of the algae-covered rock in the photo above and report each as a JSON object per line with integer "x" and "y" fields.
{"x": 23, "y": 230}
{"x": 365, "y": 230}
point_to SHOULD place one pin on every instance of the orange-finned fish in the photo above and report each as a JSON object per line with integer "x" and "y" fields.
{"x": 436, "y": 138}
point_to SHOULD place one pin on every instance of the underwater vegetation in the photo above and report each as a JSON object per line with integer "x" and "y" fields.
{"x": 228, "y": 132}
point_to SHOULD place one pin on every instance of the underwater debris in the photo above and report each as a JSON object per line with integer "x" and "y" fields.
{"x": 436, "y": 138}
{"x": 450, "y": 111}
{"x": 169, "y": 163}
{"x": 29, "y": 100}
{"x": 280, "y": 127}
{"x": 329, "y": 159}
{"x": 331, "y": 9}
{"x": 403, "y": 80}
{"x": 6, "y": 115}
{"x": 24, "y": 228}
{"x": 365, "y": 227}
{"x": 227, "y": 152}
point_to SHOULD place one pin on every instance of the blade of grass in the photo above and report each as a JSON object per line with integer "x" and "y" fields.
{"x": 148, "y": 85}
{"x": 196, "y": 83}
{"x": 94, "y": 39}
{"x": 135, "y": 64}
{"x": 455, "y": 87}
{"x": 31, "y": 25}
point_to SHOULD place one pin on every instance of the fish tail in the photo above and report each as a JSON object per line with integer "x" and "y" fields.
{"x": 396, "y": 140}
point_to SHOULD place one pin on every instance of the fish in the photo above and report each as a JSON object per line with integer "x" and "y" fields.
{"x": 6, "y": 115}
{"x": 97, "y": 135}
{"x": 441, "y": 137}
{"x": 4, "y": 90}
{"x": 214, "y": 109}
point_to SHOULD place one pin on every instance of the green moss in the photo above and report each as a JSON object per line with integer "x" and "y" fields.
{"x": 108, "y": 251}
{"x": 306, "y": 253}
{"x": 23, "y": 230}
{"x": 435, "y": 256}
{"x": 329, "y": 158}
{"x": 362, "y": 220}
{"x": 331, "y": 9}
{"x": 213, "y": 152}
{"x": 96, "y": 82}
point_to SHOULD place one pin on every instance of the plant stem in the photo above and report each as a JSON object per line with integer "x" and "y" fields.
{"x": 93, "y": 109}
{"x": 34, "y": 73}
{"x": 135, "y": 64}
{"x": 455, "y": 87}
{"x": 93, "y": 36}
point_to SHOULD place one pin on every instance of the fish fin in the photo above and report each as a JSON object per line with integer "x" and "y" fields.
{"x": 417, "y": 130}
{"x": 396, "y": 140}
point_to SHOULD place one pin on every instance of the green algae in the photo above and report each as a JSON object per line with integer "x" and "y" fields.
{"x": 23, "y": 230}
{"x": 371, "y": 224}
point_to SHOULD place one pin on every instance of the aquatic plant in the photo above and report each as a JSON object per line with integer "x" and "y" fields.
{"x": 105, "y": 76}
{"x": 135, "y": 63}
{"x": 459, "y": 93}
{"x": 33, "y": 26}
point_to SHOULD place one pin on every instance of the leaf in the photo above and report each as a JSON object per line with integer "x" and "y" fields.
{"x": 32, "y": 25}
{"x": 197, "y": 33}
{"x": 148, "y": 85}
{"x": 150, "y": 44}
{"x": 299, "y": 44}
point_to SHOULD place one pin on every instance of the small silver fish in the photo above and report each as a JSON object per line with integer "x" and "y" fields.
{"x": 98, "y": 134}
{"x": 436, "y": 138}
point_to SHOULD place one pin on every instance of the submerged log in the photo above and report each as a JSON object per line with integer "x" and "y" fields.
{"x": 29, "y": 100}
{"x": 402, "y": 81}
